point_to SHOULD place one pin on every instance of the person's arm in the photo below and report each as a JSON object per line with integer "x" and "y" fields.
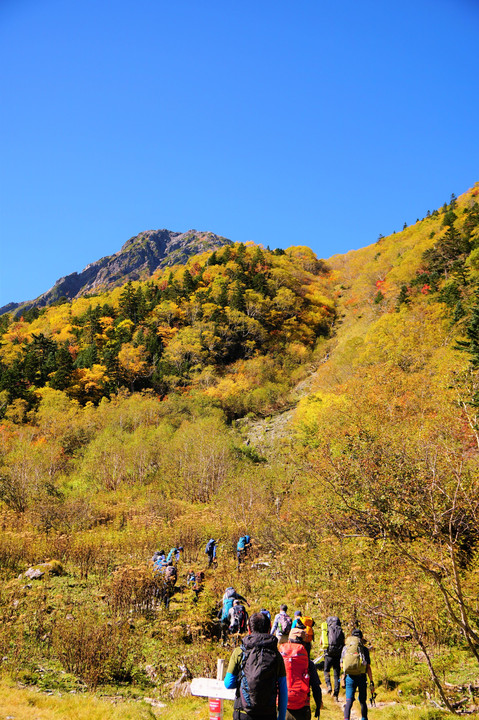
{"x": 370, "y": 674}
{"x": 231, "y": 681}
{"x": 275, "y": 625}
{"x": 232, "y": 672}
{"x": 282, "y": 697}
{"x": 240, "y": 597}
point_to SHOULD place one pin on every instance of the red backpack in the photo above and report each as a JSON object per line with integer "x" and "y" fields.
{"x": 296, "y": 662}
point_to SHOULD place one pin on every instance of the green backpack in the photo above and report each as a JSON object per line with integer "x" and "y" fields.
{"x": 354, "y": 659}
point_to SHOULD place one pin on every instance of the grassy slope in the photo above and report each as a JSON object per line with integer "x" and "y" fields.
{"x": 367, "y": 339}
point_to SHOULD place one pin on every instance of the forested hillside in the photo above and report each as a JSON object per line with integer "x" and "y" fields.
{"x": 127, "y": 420}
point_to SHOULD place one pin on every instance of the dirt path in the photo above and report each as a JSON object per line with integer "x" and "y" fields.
{"x": 333, "y": 710}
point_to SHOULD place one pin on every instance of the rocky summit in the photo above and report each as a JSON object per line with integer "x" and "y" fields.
{"x": 138, "y": 258}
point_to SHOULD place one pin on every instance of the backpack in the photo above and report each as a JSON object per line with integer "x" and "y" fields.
{"x": 308, "y": 623}
{"x": 354, "y": 659}
{"x": 171, "y": 574}
{"x": 296, "y": 662}
{"x": 335, "y": 636}
{"x": 284, "y": 624}
{"x": 227, "y": 605}
{"x": 239, "y": 621}
{"x": 209, "y": 546}
{"x": 258, "y": 677}
{"x": 241, "y": 544}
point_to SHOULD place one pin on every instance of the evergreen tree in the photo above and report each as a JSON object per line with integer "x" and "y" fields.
{"x": 188, "y": 283}
{"x": 237, "y": 297}
{"x": 403, "y": 297}
{"x": 471, "y": 345}
{"x": 212, "y": 260}
{"x": 128, "y": 302}
{"x": 62, "y": 376}
{"x": 87, "y": 357}
{"x": 241, "y": 255}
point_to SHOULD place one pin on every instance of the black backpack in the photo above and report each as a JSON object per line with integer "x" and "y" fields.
{"x": 239, "y": 621}
{"x": 258, "y": 678}
{"x": 335, "y": 636}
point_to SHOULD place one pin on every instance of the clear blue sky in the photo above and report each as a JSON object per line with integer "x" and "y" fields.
{"x": 285, "y": 123}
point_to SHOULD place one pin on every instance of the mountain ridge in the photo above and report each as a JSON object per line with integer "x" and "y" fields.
{"x": 137, "y": 259}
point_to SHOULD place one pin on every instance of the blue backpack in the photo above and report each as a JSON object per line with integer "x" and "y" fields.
{"x": 227, "y": 605}
{"x": 241, "y": 543}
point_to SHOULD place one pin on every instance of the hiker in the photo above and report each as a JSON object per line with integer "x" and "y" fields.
{"x": 301, "y": 676}
{"x": 282, "y": 624}
{"x": 241, "y": 550}
{"x": 238, "y": 618}
{"x": 160, "y": 563}
{"x": 306, "y": 623}
{"x": 158, "y": 556}
{"x": 332, "y": 641}
{"x": 198, "y": 585}
{"x": 171, "y": 574}
{"x": 230, "y": 595}
{"x": 256, "y": 669}
{"x": 174, "y": 554}
{"x": 356, "y": 663}
{"x": 210, "y": 550}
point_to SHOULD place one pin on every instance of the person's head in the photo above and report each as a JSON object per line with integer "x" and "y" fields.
{"x": 266, "y": 612}
{"x": 357, "y": 633}
{"x": 283, "y": 608}
{"x": 298, "y": 613}
{"x": 236, "y": 602}
{"x": 180, "y": 549}
{"x": 259, "y": 623}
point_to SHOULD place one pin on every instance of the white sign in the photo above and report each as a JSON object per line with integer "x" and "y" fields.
{"x": 207, "y": 687}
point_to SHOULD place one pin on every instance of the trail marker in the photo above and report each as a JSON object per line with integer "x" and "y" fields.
{"x": 214, "y": 690}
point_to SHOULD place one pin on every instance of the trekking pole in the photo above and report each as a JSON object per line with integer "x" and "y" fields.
{"x": 373, "y": 695}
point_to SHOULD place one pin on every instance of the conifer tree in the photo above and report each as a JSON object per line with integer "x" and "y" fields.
{"x": 188, "y": 283}
{"x": 471, "y": 345}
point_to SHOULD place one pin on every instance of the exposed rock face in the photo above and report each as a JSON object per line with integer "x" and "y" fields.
{"x": 138, "y": 259}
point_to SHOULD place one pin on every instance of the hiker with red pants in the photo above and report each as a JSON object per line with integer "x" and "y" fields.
{"x": 356, "y": 664}
{"x": 301, "y": 677}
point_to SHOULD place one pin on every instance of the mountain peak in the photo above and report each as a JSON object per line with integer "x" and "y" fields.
{"x": 137, "y": 259}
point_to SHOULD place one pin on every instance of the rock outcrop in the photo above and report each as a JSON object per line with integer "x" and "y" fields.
{"x": 139, "y": 257}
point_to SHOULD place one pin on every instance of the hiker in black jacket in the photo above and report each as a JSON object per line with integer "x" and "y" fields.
{"x": 332, "y": 654}
{"x": 256, "y": 670}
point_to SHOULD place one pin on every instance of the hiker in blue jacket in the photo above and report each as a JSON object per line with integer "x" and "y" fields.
{"x": 210, "y": 550}
{"x": 174, "y": 554}
{"x": 241, "y": 549}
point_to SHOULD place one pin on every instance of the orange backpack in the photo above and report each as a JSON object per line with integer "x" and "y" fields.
{"x": 308, "y": 623}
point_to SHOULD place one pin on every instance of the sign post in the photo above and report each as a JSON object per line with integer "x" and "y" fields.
{"x": 214, "y": 690}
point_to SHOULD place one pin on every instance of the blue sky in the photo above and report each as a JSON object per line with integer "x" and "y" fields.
{"x": 284, "y": 123}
